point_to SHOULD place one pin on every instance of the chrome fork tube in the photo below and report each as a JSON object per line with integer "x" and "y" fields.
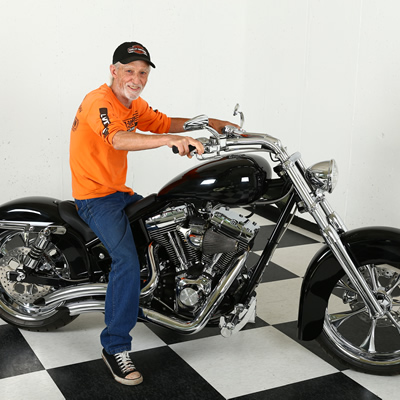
{"x": 332, "y": 239}
{"x": 333, "y": 218}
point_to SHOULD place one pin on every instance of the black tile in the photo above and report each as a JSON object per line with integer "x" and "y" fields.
{"x": 290, "y": 329}
{"x": 273, "y": 272}
{"x": 272, "y": 213}
{"x": 16, "y": 356}
{"x": 290, "y": 238}
{"x": 165, "y": 376}
{"x": 330, "y": 387}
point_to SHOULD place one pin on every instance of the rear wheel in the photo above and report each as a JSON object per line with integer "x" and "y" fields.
{"x": 17, "y": 298}
{"x": 351, "y": 334}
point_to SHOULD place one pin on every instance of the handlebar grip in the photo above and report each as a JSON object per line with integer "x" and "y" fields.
{"x": 176, "y": 151}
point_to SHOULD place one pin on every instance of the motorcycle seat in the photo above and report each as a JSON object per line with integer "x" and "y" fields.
{"x": 69, "y": 214}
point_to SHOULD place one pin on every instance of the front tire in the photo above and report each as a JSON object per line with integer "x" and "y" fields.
{"x": 17, "y": 298}
{"x": 350, "y": 333}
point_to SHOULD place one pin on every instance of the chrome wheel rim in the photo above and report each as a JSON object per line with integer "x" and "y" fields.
{"x": 17, "y": 298}
{"x": 351, "y": 328}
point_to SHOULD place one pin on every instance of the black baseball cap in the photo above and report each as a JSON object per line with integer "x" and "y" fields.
{"x": 131, "y": 51}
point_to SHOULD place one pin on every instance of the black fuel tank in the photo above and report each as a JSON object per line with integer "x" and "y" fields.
{"x": 233, "y": 180}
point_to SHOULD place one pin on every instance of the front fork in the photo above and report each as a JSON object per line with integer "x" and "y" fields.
{"x": 331, "y": 235}
{"x": 331, "y": 226}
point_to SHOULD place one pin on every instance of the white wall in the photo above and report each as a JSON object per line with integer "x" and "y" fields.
{"x": 322, "y": 75}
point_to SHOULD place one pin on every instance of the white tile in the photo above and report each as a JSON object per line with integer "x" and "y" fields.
{"x": 80, "y": 341}
{"x": 144, "y": 338}
{"x": 251, "y": 361}
{"x": 278, "y": 301}
{"x": 2, "y": 322}
{"x": 261, "y": 221}
{"x": 385, "y": 387}
{"x": 33, "y": 386}
{"x": 296, "y": 258}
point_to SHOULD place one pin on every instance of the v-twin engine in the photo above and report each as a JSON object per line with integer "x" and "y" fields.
{"x": 196, "y": 247}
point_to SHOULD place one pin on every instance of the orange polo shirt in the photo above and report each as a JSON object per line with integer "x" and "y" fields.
{"x": 97, "y": 168}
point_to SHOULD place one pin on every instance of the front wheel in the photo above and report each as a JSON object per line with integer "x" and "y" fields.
{"x": 17, "y": 299}
{"x": 351, "y": 334}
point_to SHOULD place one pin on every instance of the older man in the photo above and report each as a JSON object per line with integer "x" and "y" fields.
{"x": 103, "y": 132}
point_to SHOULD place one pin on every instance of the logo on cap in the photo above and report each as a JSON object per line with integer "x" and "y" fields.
{"x": 138, "y": 50}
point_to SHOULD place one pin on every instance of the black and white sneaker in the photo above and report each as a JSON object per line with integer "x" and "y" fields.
{"x": 122, "y": 368}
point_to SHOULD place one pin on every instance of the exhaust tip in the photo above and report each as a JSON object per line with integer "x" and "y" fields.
{"x": 40, "y": 302}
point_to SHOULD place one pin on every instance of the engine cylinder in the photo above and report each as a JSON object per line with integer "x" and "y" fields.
{"x": 214, "y": 243}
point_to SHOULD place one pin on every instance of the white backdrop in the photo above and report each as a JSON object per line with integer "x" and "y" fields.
{"x": 321, "y": 75}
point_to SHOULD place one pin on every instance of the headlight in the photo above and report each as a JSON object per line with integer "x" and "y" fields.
{"x": 323, "y": 175}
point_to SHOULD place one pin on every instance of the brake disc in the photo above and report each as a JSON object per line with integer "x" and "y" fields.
{"x": 22, "y": 293}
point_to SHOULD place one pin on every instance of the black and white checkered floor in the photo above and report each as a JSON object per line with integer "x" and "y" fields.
{"x": 263, "y": 361}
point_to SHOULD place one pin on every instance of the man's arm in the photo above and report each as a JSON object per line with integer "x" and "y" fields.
{"x": 134, "y": 141}
{"x": 177, "y": 124}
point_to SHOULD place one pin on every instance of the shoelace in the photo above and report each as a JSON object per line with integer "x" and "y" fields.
{"x": 124, "y": 362}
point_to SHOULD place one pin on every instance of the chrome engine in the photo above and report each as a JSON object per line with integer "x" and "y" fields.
{"x": 199, "y": 246}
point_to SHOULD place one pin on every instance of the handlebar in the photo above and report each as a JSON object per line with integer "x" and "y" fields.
{"x": 176, "y": 151}
{"x": 232, "y": 140}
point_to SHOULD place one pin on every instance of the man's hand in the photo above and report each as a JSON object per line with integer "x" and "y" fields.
{"x": 218, "y": 125}
{"x": 182, "y": 144}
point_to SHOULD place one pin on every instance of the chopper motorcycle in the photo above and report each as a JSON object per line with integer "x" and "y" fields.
{"x": 193, "y": 247}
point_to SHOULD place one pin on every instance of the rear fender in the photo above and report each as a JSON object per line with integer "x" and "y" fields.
{"x": 372, "y": 245}
{"x": 37, "y": 211}
{"x": 40, "y": 212}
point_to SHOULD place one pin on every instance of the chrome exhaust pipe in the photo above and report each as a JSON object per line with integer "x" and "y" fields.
{"x": 155, "y": 274}
{"x": 194, "y": 326}
{"x": 73, "y": 293}
{"x": 85, "y": 306}
{"x": 182, "y": 326}
{"x": 99, "y": 289}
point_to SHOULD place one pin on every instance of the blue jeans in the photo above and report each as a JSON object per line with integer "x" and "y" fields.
{"x": 107, "y": 218}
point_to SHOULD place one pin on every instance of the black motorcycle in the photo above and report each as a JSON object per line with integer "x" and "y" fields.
{"x": 193, "y": 248}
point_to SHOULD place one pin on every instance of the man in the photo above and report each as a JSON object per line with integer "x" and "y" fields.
{"x": 103, "y": 132}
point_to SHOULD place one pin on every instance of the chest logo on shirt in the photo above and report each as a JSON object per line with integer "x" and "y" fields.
{"x": 105, "y": 120}
{"x": 131, "y": 123}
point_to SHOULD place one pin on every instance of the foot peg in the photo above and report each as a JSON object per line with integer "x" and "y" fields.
{"x": 239, "y": 317}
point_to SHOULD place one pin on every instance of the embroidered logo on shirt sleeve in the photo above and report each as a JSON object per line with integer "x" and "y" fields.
{"x": 75, "y": 124}
{"x": 105, "y": 120}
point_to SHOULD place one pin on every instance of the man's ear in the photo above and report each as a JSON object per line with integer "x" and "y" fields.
{"x": 113, "y": 70}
